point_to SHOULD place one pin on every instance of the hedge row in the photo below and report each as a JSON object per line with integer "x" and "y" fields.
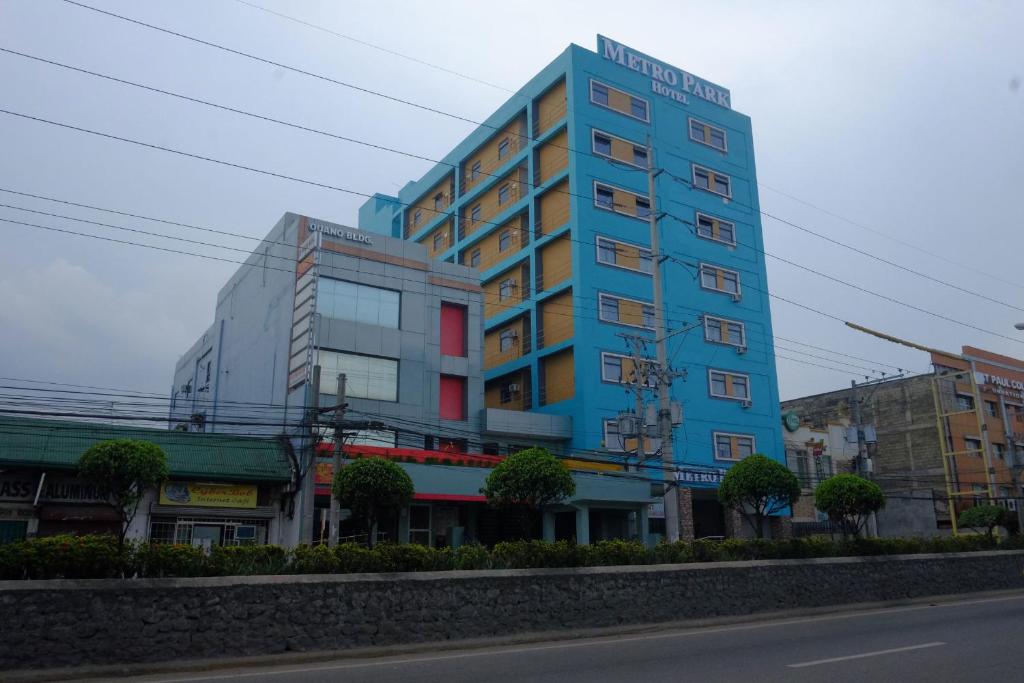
{"x": 89, "y": 557}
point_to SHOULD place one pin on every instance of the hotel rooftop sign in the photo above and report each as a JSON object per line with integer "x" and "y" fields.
{"x": 666, "y": 80}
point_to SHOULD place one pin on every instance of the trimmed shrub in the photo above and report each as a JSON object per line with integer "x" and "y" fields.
{"x": 157, "y": 560}
{"x": 472, "y": 557}
{"x": 612, "y": 553}
{"x": 314, "y": 559}
{"x": 354, "y": 559}
{"x": 246, "y": 560}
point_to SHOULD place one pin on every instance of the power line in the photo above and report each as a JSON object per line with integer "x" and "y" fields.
{"x": 375, "y": 47}
{"x": 889, "y": 236}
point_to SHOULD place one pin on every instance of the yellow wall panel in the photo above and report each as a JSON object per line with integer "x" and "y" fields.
{"x": 428, "y": 241}
{"x": 556, "y": 318}
{"x": 425, "y": 205}
{"x": 556, "y": 261}
{"x": 492, "y": 292}
{"x": 551, "y": 107}
{"x": 493, "y": 355}
{"x": 554, "y": 208}
{"x": 553, "y": 156}
{"x": 559, "y": 376}
{"x": 487, "y": 154}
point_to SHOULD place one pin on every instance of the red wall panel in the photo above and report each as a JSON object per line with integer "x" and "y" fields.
{"x": 453, "y": 398}
{"x": 453, "y": 330}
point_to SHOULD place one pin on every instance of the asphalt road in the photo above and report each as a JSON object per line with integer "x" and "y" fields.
{"x": 969, "y": 640}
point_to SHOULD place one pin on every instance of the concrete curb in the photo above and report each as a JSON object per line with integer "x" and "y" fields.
{"x": 227, "y": 663}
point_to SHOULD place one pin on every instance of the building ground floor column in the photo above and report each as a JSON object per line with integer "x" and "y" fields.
{"x": 685, "y": 498}
{"x": 583, "y": 524}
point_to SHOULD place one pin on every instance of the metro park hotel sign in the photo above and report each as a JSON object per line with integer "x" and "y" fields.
{"x": 666, "y": 80}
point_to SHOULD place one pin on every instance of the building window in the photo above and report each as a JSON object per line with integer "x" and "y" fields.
{"x": 643, "y": 208}
{"x": 507, "y": 339}
{"x": 419, "y": 525}
{"x": 506, "y": 289}
{"x": 999, "y": 450}
{"x": 964, "y": 402}
{"x": 991, "y": 409}
{"x": 503, "y": 148}
{"x": 604, "y": 197}
{"x": 620, "y": 101}
{"x": 609, "y": 310}
{"x": 716, "y": 229}
{"x": 602, "y": 145}
{"x": 474, "y": 258}
{"x": 439, "y": 240}
{"x": 706, "y": 134}
{"x": 611, "y": 368}
{"x": 729, "y": 385}
{"x": 638, "y": 108}
{"x": 622, "y": 255}
{"x": 973, "y": 445}
{"x": 503, "y": 194}
{"x": 438, "y": 201}
{"x": 475, "y": 171}
{"x": 365, "y": 376}
{"x": 712, "y": 181}
{"x": 474, "y": 214}
{"x": 640, "y": 157}
{"x": 648, "y": 316}
{"x": 613, "y": 441}
{"x": 719, "y": 279}
{"x": 722, "y": 331}
{"x": 343, "y": 300}
{"x": 733, "y": 446}
{"x": 504, "y": 240}
{"x": 417, "y": 217}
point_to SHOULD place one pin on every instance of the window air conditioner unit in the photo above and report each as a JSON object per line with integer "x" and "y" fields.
{"x": 245, "y": 533}
{"x": 742, "y": 348}
{"x": 746, "y": 403}
{"x": 1011, "y": 504}
{"x": 513, "y": 388}
{"x": 736, "y": 298}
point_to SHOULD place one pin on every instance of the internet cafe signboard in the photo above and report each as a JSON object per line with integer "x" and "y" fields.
{"x": 195, "y": 494}
{"x": 666, "y": 80}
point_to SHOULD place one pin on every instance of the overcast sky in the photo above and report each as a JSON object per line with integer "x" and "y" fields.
{"x": 905, "y": 118}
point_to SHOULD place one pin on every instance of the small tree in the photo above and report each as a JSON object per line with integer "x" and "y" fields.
{"x": 986, "y": 517}
{"x": 370, "y": 485}
{"x": 849, "y": 500}
{"x": 530, "y": 479}
{"x": 757, "y": 487}
{"x": 123, "y": 470}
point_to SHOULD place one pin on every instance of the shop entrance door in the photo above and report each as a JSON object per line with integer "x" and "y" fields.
{"x": 206, "y": 536}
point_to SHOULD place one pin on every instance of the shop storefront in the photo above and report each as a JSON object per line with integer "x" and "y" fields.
{"x": 36, "y": 503}
{"x": 206, "y": 514}
{"x": 223, "y": 490}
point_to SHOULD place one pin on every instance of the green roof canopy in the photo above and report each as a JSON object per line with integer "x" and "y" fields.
{"x": 39, "y": 443}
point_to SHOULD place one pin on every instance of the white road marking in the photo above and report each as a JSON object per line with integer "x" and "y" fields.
{"x": 862, "y": 655}
{"x": 589, "y": 642}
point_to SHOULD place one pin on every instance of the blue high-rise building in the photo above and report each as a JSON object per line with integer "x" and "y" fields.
{"x": 548, "y": 199}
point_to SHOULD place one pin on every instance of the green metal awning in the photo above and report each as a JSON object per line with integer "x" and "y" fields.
{"x": 57, "y": 444}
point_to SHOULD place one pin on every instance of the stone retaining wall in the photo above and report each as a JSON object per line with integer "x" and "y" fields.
{"x": 70, "y": 623}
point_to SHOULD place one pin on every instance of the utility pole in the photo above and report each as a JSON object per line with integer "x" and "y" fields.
{"x": 308, "y": 483}
{"x": 339, "y": 418}
{"x": 863, "y": 468}
{"x": 663, "y": 375}
{"x": 634, "y": 342}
